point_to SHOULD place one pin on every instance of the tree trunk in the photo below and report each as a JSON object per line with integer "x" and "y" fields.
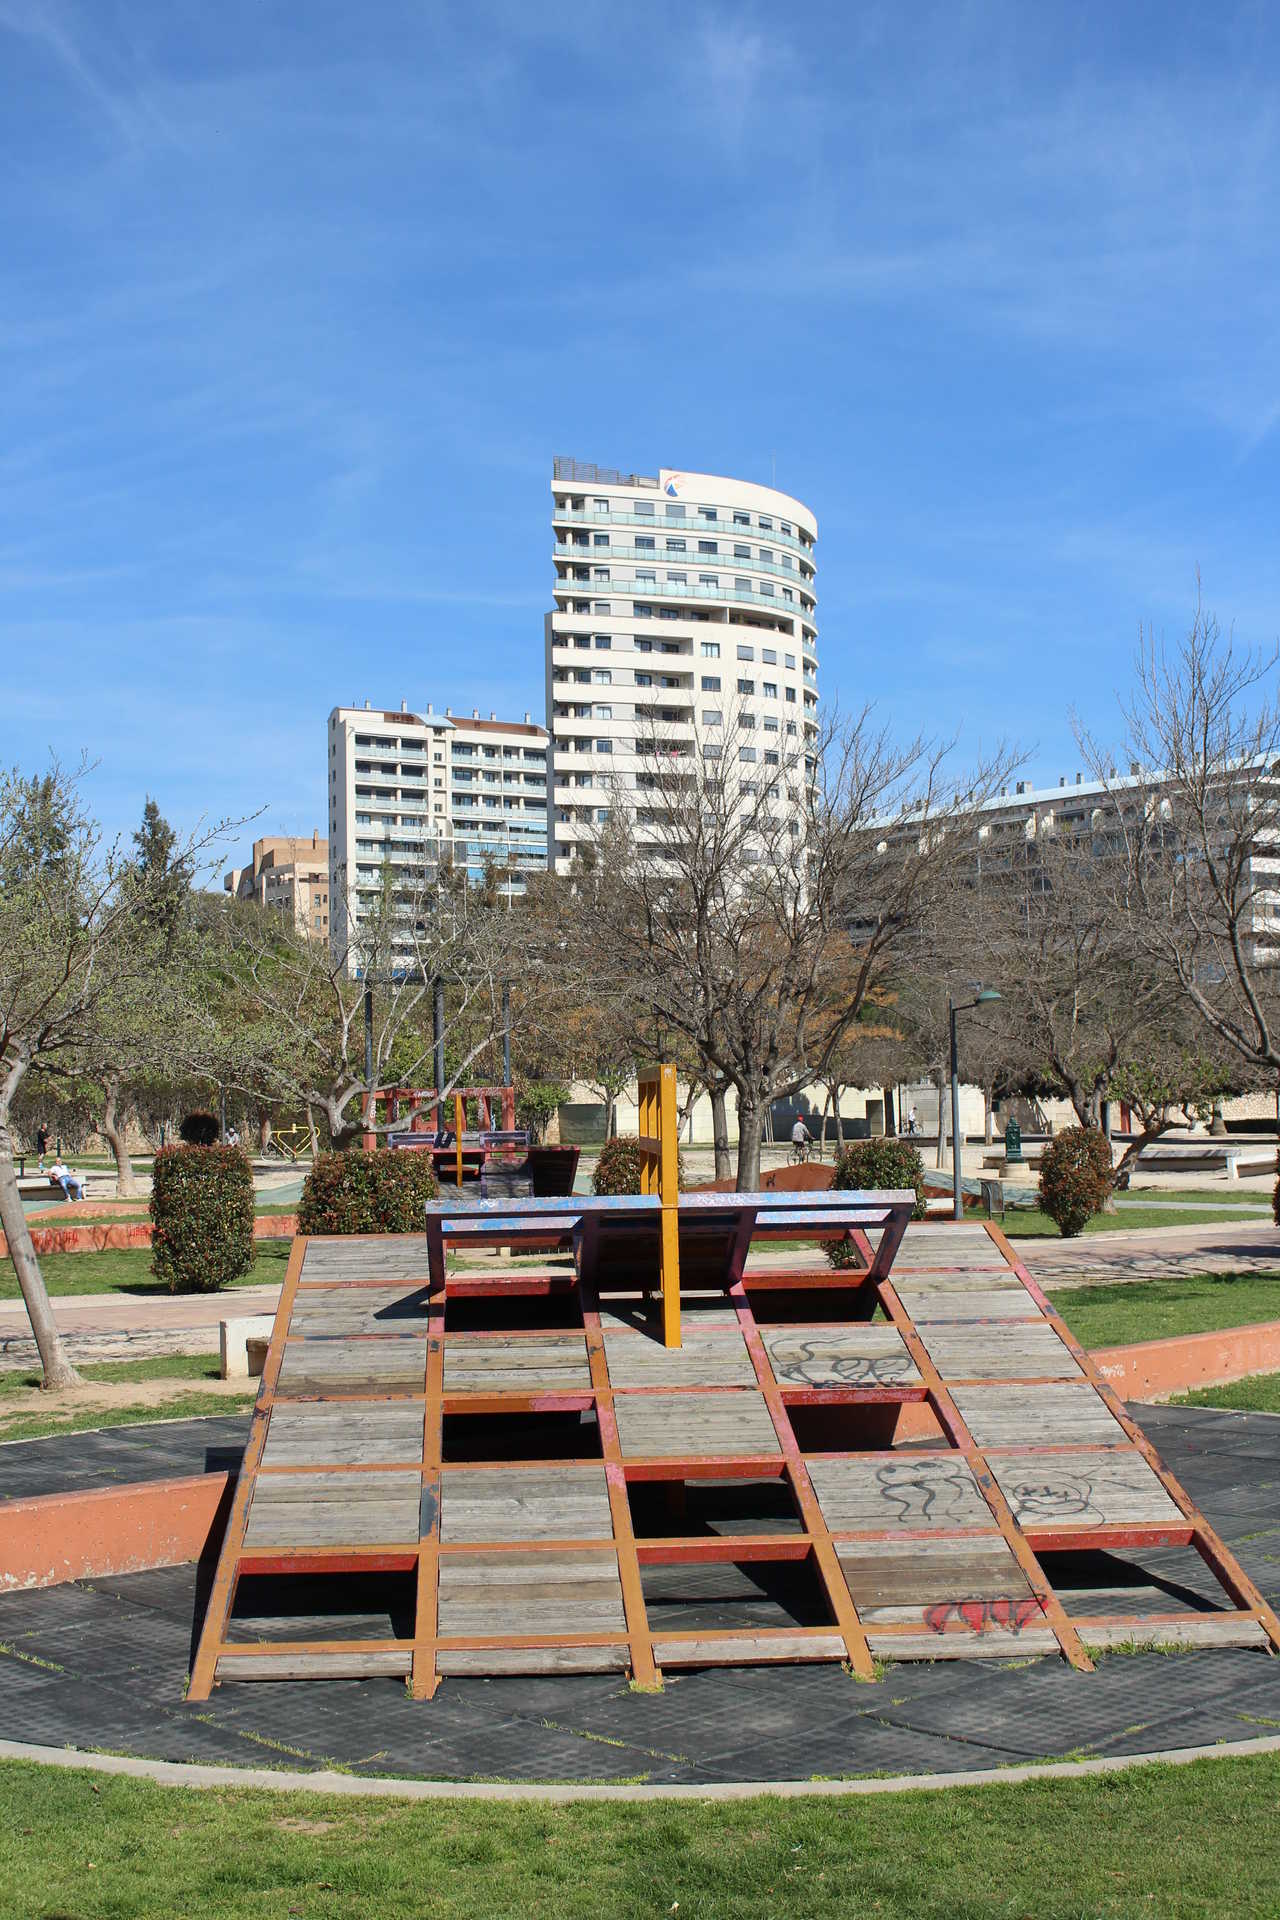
{"x": 942, "y": 1118}
{"x": 116, "y": 1136}
{"x": 987, "y": 1116}
{"x": 750, "y": 1127}
{"x": 890, "y": 1114}
{"x": 264, "y": 1132}
{"x": 720, "y": 1132}
{"x": 58, "y": 1370}
{"x": 315, "y": 1137}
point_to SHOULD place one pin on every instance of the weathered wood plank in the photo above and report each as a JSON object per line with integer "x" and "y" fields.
{"x": 1052, "y": 1416}
{"x": 1017, "y": 1351}
{"x": 535, "y": 1593}
{"x": 336, "y": 1311}
{"x": 1107, "y": 1488}
{"x": 316, "y": 1666}
{"x": 731, "y": 1424}
{"x": 1195, "y": 1631}
{"x": 710, "y": 1355}
{"x": 999, "y": 1644}
{"x": 333, "y": 1510}
{"x": 513, "y": 1503}
{"x": 481, "y": 1364}
{"x": 909, "y": 1491}
{"x": 368, "y": 1366}
{"x": 928, "y": 1304}
{"x": 319, "y": 1434}
{"x": 862, "y": 1354}
{"x": 392, "y": 1256}
{"x": 460, "y": 1660}
{"x": 732, "y": 1650}
{"x": 887, "y": 1574}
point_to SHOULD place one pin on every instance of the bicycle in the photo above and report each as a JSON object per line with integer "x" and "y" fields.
{"x": 799, "y": 1154}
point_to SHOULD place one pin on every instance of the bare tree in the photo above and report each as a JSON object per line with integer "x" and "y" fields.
{"x": 329, "y": 1031}
{"x": 1196, "y": 823}
{"x": 755, "y": 890}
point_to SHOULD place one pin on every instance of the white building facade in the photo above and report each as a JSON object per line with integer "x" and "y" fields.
{"x": 405, "y": 788}
{"x": 685, "y": 603}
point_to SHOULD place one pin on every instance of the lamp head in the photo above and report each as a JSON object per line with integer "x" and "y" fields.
{"x": 985, "y": 998}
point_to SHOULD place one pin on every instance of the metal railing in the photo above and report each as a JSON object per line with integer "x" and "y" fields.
{"x": 586, "y": 474}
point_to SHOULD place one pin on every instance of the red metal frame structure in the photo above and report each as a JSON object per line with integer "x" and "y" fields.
{"x": 390, "y": 1409}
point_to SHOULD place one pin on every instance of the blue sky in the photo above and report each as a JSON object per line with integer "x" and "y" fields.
{"x": 297, "y": 303}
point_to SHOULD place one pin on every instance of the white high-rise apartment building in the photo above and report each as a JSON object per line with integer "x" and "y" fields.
{"x": 680, "y": 601}
{"x": 403, "y": 786}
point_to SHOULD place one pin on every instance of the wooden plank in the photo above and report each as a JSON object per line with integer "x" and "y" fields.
{"x": 499, "y": 1660}
{"x": 927, "y": 1304}
{"x": 732, "y": 1650}
{"x": 999, "y": 1644}
{"x": 861, "y": 1354}
{"x": 898, "y": 1491}
{"x": 1196, "y": 1631}
{"x": 479, "y": 1363}
{"x": 334, "y": 1367}
{"x": 516, "y": 1503}
{"x": 333, "y": 1509}
{"x": 335, "y": 1311}
{"x": 709, "y": 1355}
{"x": 315, "y": 1433}
{"x": 386, "y": 1256}
{"x": 535, "y": 1593}
{"x": 892, "y": 1574}
{"x": 1052, "y": 1416}
{"x": 718, "y": 1425}
{"x": 1017, "y": 1350}
{"x": 316, "y": 1666}
{"x": 1064, "y": 1491}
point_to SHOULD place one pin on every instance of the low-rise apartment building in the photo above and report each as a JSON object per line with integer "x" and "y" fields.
{"x": 411, "y": 788}
{"x": 291, "y": 875}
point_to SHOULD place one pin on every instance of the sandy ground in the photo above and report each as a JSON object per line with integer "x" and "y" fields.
{"x": 102, "y": 1396}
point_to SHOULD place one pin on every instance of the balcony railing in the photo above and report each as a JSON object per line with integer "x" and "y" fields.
{"x": 672, "y": 590}
{"x": 717, "y": 562}
{"x": 580, "y": 516}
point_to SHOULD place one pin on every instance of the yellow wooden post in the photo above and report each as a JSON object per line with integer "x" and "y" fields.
{"x": 459, "y": 1122}
{"x": 659, "y": 1174}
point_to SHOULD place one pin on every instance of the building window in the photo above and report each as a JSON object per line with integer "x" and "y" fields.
{"x": 746, "y": 653}
{"x": 711, "y": 683}
{"x": 677, "y": 546}
{"x": 708, "y": 546}
{"x": 746, "y": 753}
{"x": 647, "y": 575}
{"x": 602, "y": 573}
{"x": 599, "y": 539}
{"x": 604, "y": 746}
{"x": 601, "y": 606}
{"x": 711, "y": 649}
{"x": 708, "y": 579}
{"x": 746, "y": 686}
{"x": 770, "y": 689}
{"x": 741, "y": 584}
{"x": 707, "y": 513}
{"x": 645, "y": 542}
{"x": 712, "y": 717}
{"x": 742, "y": 553}
{"x": 603, "y": 642}
{"x": 789, "y": 660}
{"x": 644, "y": 679}
{"x": 643, "y": 646}
{"x": 678, "y": 579}
{"x": 766, "y": 524}
{"x": 742, "y": 519}
{"x": 604, "y": 713}
{"x": 602, "y": 676}
{"x": 769, "y": 656}
{"x": 791, "y": 695}
{"x": 674, "y": 513}
{"x": 600, "y": 506}
{"x": 644, "y": 508}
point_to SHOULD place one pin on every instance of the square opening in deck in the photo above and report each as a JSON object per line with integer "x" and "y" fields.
{"x": 1131, "y": 1583}
{"x": 694, "y": 1509}
{"x": 323, "y": 1606}
{"x": 866, "y": 1426}
{"x": 521, "y": 1436}
{"x": 785, "y": 1306}
{"x": 710, "y": 1596}
{"x": 508, "y": 1309}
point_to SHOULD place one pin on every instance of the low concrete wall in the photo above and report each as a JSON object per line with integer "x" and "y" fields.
{"x": 83, "y": 1536}
{"x": 134, "y": 1233}
{"x": 1154, "y": 1369}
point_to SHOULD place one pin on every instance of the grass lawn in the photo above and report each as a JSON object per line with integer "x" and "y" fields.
{"x": 1116, "y": 1316}
{"x": 1223, "y": 1196}
{"x": 128, "y": 1270}
{"x": 1259, "y": 1394}
{"x": 1029, "y": 1223}
{"x": 178, "y": 1389}
{"x": 1182, "y": 1843}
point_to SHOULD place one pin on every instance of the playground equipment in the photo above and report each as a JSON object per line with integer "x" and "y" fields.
{"x": 659, "y": 1173}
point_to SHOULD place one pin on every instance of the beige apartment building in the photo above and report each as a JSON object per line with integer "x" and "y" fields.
{"x": 685, "y": 621}
{"x": 291, "y": 875}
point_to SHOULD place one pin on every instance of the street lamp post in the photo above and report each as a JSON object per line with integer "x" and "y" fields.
{"x": 984, "y": 998}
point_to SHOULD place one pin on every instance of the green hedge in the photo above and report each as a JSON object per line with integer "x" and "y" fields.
{"x": 618, "y": 1168}
{"x": 875, "y": 1166}
{"x": 202, "y": 1217}
{"x": 380, "y": 1192}
{"x": 1075, "y": 1178}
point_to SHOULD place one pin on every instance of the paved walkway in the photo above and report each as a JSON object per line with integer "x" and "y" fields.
{"x": 104, "y": 1327}
{"x": 102, "y": 1665}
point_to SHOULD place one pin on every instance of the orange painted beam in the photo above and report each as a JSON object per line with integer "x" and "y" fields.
{"x": 130, "y": 1529}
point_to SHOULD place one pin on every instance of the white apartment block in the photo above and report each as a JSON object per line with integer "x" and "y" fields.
{"x": 405, "y": 787}
{"x": 683, "y": 602}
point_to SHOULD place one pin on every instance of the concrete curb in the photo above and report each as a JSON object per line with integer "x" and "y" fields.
{"x": 174, "y": 1773}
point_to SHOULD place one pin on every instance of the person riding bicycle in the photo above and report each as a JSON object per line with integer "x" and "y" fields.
{"x": 801, "y": 1139}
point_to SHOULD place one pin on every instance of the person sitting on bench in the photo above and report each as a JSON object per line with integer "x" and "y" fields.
{"x": 72, "y": 1184}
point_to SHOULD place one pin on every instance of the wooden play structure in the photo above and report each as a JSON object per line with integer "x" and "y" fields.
{"x": 664, "y": 1447}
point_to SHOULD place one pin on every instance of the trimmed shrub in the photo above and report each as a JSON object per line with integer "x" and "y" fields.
{"x": 874, "y": 1166}
{"x": 199, "y": 1130}
{"x": 202, "y": 1217}
{"x": 1076, "y": 1178}
{"x": 379, "y": 1192}
{"x": 618, "y": 1168}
